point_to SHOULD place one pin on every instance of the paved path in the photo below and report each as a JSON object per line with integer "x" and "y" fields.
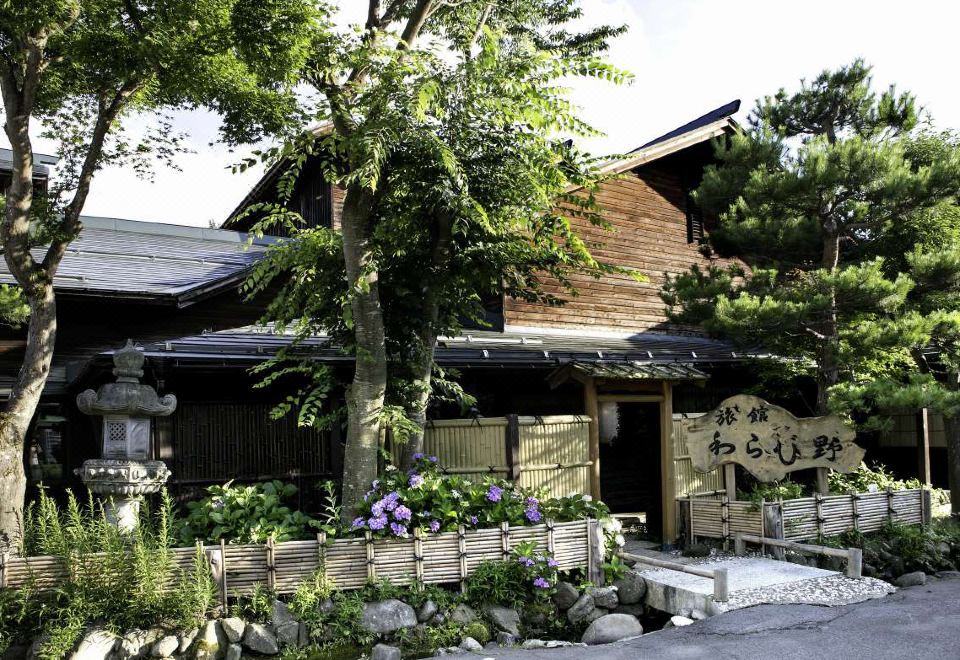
{"x": 915, "y": 623}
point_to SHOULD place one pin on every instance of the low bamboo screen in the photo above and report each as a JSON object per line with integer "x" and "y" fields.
{"x": 553, "y": 451}
{"x": 688, "y": 481}
{"x": 446, "y": 558}
{"x": 804, "y": 518}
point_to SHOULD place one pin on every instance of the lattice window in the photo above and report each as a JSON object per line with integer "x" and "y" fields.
{"x": 116, "y": 432}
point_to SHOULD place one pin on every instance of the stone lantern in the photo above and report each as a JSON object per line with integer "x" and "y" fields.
{"x": 125, "y": 471}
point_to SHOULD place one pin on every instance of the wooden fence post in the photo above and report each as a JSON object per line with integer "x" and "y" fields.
{"x": 595, "y": 560}
{"x": 371, "y": 557}
{"x": 462, "y": 547}
{"x": 773, "y": 524}
{"x": 739, "y": 545}
{"x": 725, "y": 520}
{"x": 926, "y": 506}
{"x": 855, "y": 507}
{"x": 818, "y": 501}
{"x": 3, "y": 568}
{"x": 418, "y": 553}
{"x": 512, "y": 440}
{"x": 322, "y": 549}
{"x": 890, "y": 510}
{"x": 551, "y": 543}
{"x": 721, "y": 591}
{"x": 224, "y": 593}
{"x": 854, "y": 562}
{"x": 271, "y": 565}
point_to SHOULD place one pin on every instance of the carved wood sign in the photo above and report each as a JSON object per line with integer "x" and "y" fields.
{"x": 769, "y": 441}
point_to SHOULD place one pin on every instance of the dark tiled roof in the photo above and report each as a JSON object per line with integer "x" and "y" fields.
{"x": 714, "y": 115}
{"x": 636, "y": 370}
{"x": 152, "y": 261}
{"x": 475, "y": 348}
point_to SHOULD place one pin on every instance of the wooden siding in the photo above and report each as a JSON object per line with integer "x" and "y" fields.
{"x": 647, "y": 209}
{"x": 215, "y": 442}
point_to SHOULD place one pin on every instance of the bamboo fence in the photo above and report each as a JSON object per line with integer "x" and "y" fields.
{"x": 446, "y": 558}
{"x": 804, "y": 518}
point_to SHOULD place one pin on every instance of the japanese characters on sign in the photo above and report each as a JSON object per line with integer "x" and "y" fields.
{"x": 769, "y": 441}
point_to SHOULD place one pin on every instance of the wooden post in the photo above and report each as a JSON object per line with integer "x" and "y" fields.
{"x": 773, "y": 525}
{"x": 730, "y": 481}
{"x": 418, "y": 553}
{"x": 823, "y": 484}
{"x": 4, "y": 558}
{"x": 271, "y": 565}
{"x": 926, "y": 506}
{"x": 371, "y": 557}
{"x": 505, "y": 540}
{"x": 855, "y": 506}
{"x": 818, "y": 501}
{"x": 739, "y": 545}
{"x": 512, "y": 441}
{"x": 923, "y": 446}
{"x": 462, "y": 550}
{"x": 890, "y": 510}
{"x": 595, "y": 556}
{"x": 592, "y": 408}
{"x": 668, "y": 476}
{"x": 551, "y": 542}
{"x": 322, "y": 549}
{"x": 725, "y": 520}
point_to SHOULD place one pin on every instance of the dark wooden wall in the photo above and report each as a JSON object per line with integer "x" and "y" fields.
{"x": 647, "y": 208}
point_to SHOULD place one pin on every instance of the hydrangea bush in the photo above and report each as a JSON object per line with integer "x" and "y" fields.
{"x": 425, "y": 498}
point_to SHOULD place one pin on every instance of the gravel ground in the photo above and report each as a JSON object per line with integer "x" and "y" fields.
{"x": 831, "y": 591}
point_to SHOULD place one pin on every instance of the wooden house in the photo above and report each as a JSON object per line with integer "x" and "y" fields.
{"x": 610, "y": 354}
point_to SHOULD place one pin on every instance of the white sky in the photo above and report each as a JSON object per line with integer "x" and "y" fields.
{"x": 689, "y": 56}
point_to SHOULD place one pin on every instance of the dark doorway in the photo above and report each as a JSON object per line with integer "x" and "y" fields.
{"x": 630, "y": 460}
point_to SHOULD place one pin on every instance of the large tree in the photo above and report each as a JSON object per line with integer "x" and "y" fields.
{"x": 75, "y": 69}
{"x": 449, "y": 151}
{"x": 839, "y": 206}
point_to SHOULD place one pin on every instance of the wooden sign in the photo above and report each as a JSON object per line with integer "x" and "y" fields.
{"x": 769, "y": 441}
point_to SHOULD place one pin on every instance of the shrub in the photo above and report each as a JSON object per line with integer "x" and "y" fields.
{"x": 771, "y": 492}
{"x": 529, "y": 576}
{"x": 478, "y": 630}
{"x": 247, "y": 514}
{"x": 257, "y": 606}
{"x": 121, "y": 587}
{"x": 866, "y": 478}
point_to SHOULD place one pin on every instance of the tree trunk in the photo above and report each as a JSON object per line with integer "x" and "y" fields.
{"x": 829, "y": 371}
{"x": 24, "y": 397}
{"x": 952, "y": 433}
{"x": 365, "y": 395}
{"x": 416, "y": 409}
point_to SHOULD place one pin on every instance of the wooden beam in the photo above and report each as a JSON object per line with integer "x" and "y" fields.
{"x": 923, "y": 446}
{"x": 512, "y": 438}
{"x": 823, "y": 485}
{"x": 631, "y": 398}
{"x": 592, "y": 408}
{"x": 668, "y": 476}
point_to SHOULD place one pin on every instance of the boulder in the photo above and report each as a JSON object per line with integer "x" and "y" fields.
{"x": 165, "y": 646}
{"x": 631, "y": 588}
{"x": 504, "y": 619}
{"x": 605, "y": 597}
{"x": 385, "y": 652}
{"x": 427, "y": 611}
{"x": 680, "y": 621}
{"x": 533, "y": 644}
{"x": 137, "y": 644}
{"x": 565, "y": 596}
{"x": 948, "y": 575}
{"x": 95, "y": 645}
{"x": 470, "y": 644}
{"x": 260, "y": 639}
{"x": 281, "y": 614}
{"x": 211, "y": 643}
{"x": 612, "y": 628}
{"x": 288, "y": 634}
{"x": 463, "y": 614}
{"x": 233, "y": 628}
{"x": 914, "y": 579}
{"x": 234, "y": 652}
{"x": 582, "y": 609}
{"x": 594, "y": 615}
{"x": 186, "y": 639}
{"x": 633, "y": 610}
{"x": 387, "y": 616}
{"x": 506, "y": 639}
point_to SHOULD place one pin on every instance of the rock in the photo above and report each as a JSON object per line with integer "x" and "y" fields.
{"x": 533, "y": 644}
{"x": 594, "y": 615}
{"x": 581, "y": 609}
{"x": 186, "y": 639}
{"x": 612, "y": 628}
{"x": 633, "y": 610}
{"x": 165, "y": 646}
{"x": 504, "y": 619}
{"x": 631, "y": 588}
{"x": 387, "y": 616}
{"x": 439, "y": 619}
{"x": 696, "y": 550}
{"x": 304, "y": 635}
{"x": 233, "y": 628}
{"x": 260, "y": 639}
{"x": 96, "y": 645}
{"x": 565, "y": 596}
{"x": 427, "y": 611}
{"x": 463, "y": 614}
{"x": 137, "y": 643}
{"x": 385, "y": 652}
{"x": 698, "y": 615}
{"x": 680, "y": 621}
{"x": 944, "y": 548}
{"x": 605, "y": 597}
{"x": 211, "y": 643}
{"x": 234, "y": 652}
{"x": 470, "y": 644}
{"x": 914, "y": 579}
{"x": 288, "y": 634}
{"x": 506, "y": 639}
{"x": 948, "y": 575}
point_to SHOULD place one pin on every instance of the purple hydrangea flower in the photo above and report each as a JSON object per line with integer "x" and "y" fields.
{"x": 541, "y": 583}
{"x": 358, "y": 523}
{"x": 526, "y": 561}
{"x": 375, "y": 484}
{"x": 434, "y": 526}
{"x": 377, "y": 523}
{"x": 378, "y": 507}
{"x": 533, "y": 515}
{"x": 433, "y": 459}
{"x": 391, "y": 501}
{"x": 416, "y": 480}
{"x": 402, "y": 513}
{"x": 494, "y": 493}
{"x": 398, "y": 529}
{"x": 418, "y": 456}
{"x": 474, "y": 520}
{"x": 533, "y": 501}
{"x": 552, "y": 563}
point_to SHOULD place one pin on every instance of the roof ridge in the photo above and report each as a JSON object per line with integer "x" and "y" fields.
{"x": 170, "y": 229}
